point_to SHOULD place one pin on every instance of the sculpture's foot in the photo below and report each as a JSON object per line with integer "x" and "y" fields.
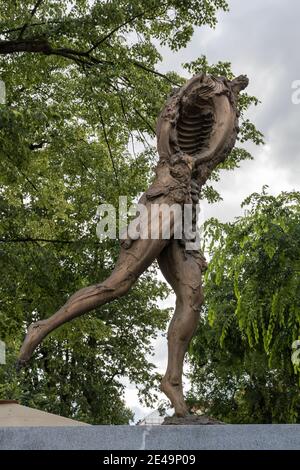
{"x": 191, "y": 420}
{"x": 35, "y": 334}
{"x": 175, "y": 395}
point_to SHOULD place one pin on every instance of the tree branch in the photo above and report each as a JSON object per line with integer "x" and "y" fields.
{"x": 145, "y": 121}
{"x": 19, "y": 28}
{"x": 42, "y": 46}
{"x": 33, "y": 12}
{"x": 108, "y": 147}
{"x": 45, "y": 240}
{"x": 21, "y": 173}
{"x": 114, "y": 30}
{"x": 155, "y": 72}
{"x": 37, "y": 146}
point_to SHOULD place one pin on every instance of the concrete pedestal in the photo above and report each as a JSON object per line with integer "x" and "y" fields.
{"x": 216, "y": 437}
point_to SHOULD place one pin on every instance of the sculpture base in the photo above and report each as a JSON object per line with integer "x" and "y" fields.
{"x": 218, "y": 437}
{"x": 190, "y": 420}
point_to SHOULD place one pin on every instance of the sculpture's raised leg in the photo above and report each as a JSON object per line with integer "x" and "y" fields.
{"x": 182, "y": 270}
{"x": 131, "y": 264}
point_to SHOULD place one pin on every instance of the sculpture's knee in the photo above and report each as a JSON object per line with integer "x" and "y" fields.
{"x": 188, "y": 305}
{"x": 190, "y": 298}
{"x": 197, "y": 297}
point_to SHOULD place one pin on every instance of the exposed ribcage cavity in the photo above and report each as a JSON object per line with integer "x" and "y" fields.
{"x": 194, "y": 127}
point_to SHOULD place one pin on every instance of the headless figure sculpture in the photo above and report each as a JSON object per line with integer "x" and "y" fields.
{"x": 195, "y": 132}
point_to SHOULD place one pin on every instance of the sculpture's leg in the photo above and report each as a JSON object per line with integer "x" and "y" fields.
{"x": 182, "y": 270}
{"x": 131, "y": 264}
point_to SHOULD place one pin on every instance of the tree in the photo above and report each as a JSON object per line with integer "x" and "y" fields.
{"x": 243, "y": 366}
{"x": 83, "y": 94}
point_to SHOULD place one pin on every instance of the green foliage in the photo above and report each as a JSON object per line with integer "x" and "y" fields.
{"x": 242, "y": 355}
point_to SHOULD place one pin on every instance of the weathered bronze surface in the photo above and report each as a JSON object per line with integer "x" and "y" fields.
{"x": 196, "y": 131}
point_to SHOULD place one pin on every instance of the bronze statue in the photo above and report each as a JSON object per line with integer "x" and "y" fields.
{"x": 196, "y": 131}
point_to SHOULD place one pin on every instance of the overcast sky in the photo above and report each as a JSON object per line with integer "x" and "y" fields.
{"x": 261, "y": 39}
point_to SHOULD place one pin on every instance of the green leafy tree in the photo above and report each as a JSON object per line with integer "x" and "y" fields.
{"x": 77, "y": 128}
{"x": 245, "y": 363}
